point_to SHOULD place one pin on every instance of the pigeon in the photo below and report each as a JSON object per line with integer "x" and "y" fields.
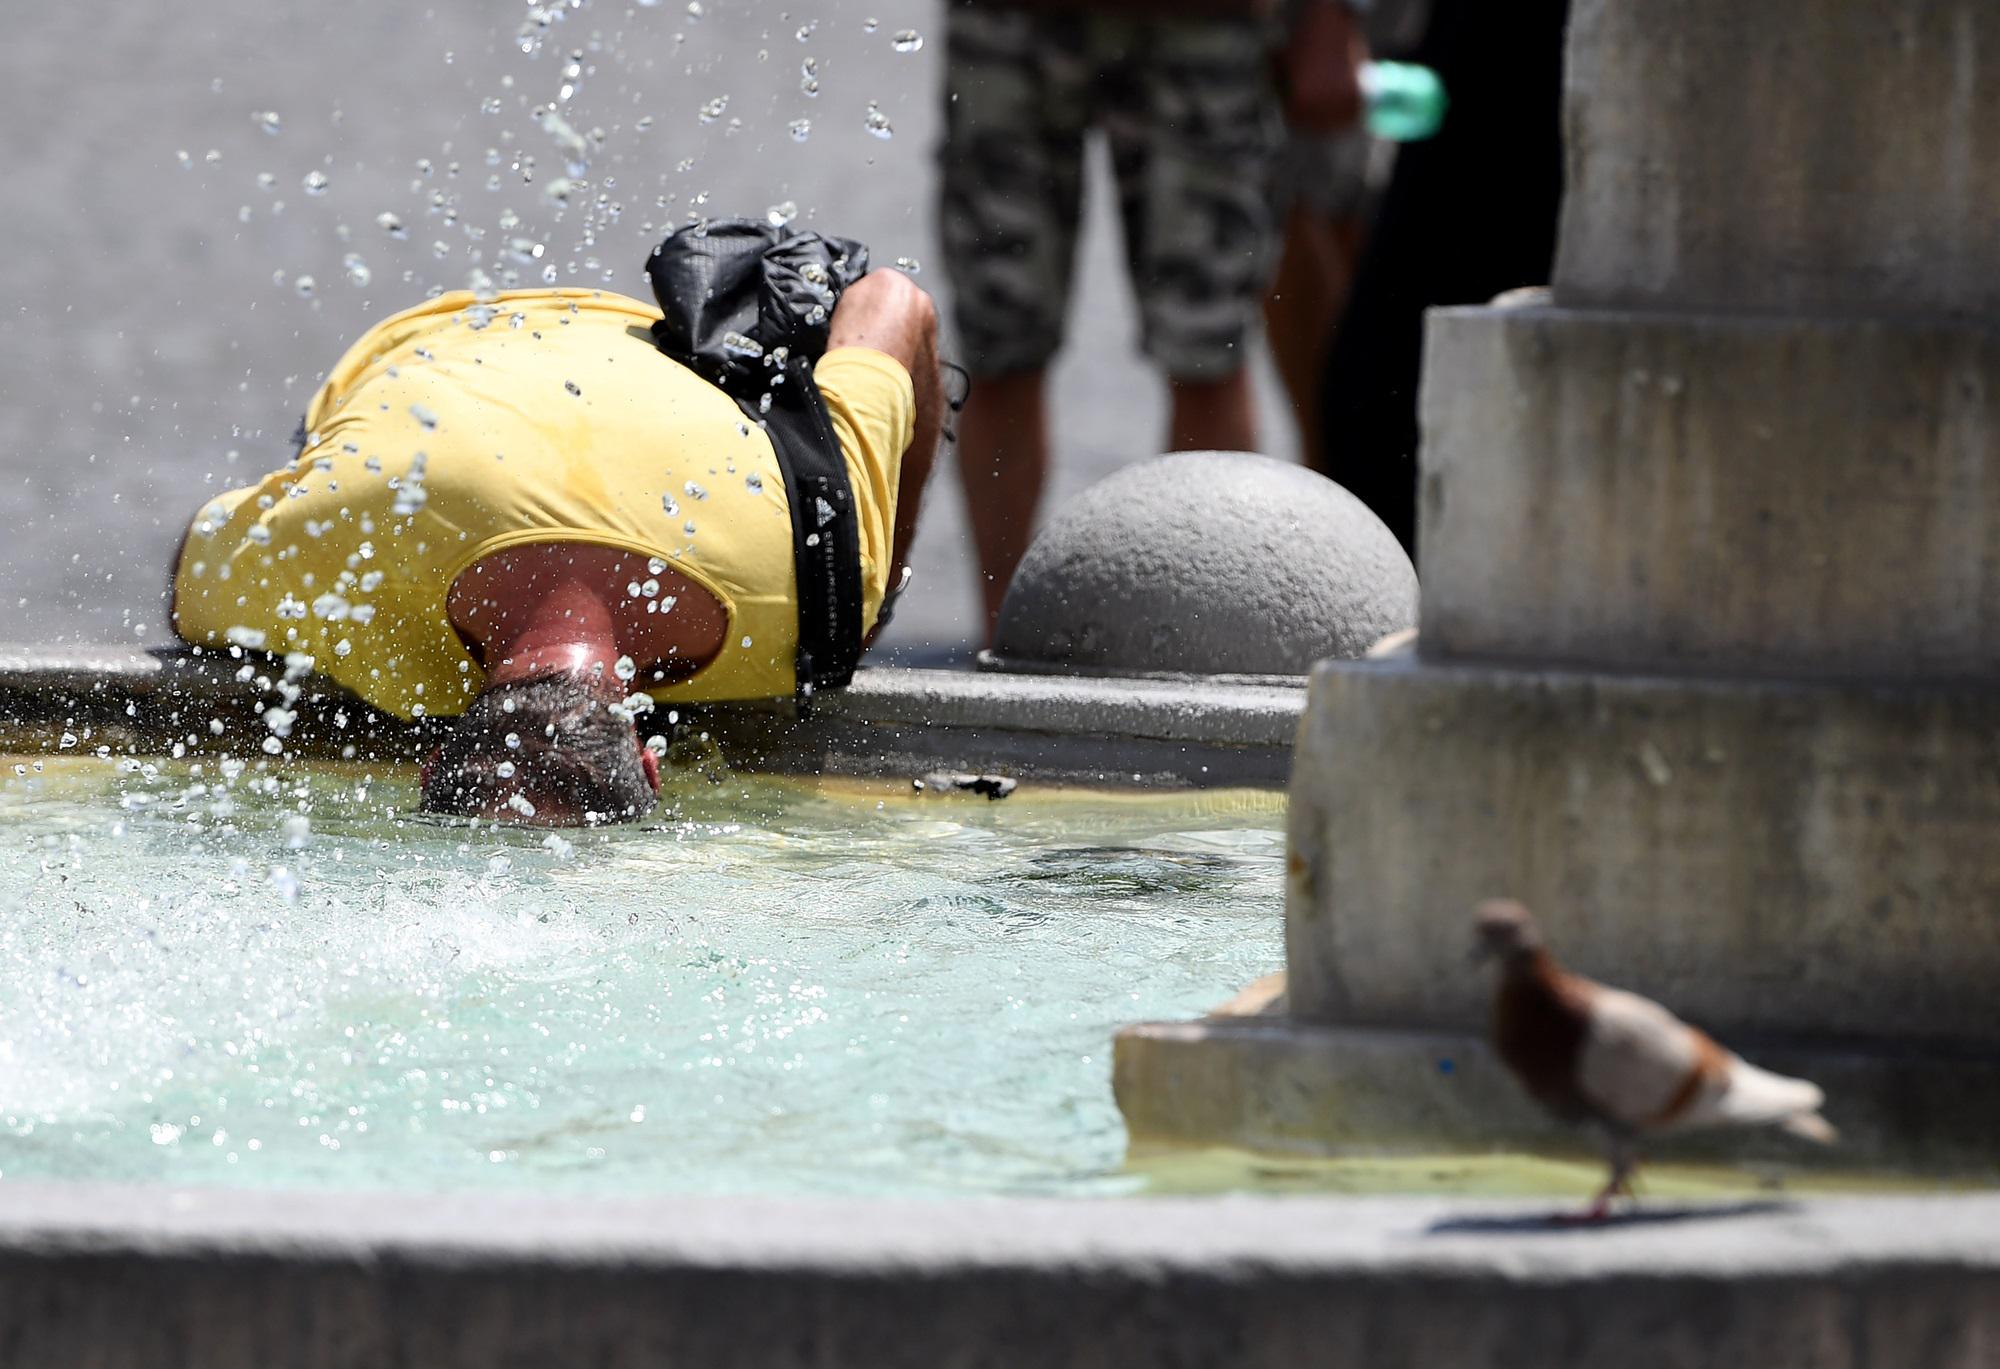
{"x": 1591, "y": 1053}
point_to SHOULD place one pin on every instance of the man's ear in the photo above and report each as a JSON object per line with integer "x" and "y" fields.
{"x": 429, "y": 766}
{"x": 651, "y": 764}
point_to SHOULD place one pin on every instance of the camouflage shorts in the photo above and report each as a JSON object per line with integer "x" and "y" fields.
{"x": 1191, "y": 115}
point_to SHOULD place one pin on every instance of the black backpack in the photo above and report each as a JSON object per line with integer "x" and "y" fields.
{"x": 746, "y": 307}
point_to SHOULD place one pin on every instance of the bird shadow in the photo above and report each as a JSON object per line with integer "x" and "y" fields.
{"x": 1515, "y": 1224}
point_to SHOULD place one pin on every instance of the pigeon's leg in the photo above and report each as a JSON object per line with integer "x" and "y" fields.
{"x": 1623, "y": 1161}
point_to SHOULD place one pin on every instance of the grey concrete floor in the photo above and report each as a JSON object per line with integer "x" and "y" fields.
{"x": 157, "y": 345}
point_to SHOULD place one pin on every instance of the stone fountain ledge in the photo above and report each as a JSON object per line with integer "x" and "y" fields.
{"x": 1146, "y": 732}
{"x": 155, "y": 1276}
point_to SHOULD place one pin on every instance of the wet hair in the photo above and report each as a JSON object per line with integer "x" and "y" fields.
{"x": 570, "y": 747}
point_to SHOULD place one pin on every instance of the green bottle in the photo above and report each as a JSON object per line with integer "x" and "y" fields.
{"x": 1406, "y": 102}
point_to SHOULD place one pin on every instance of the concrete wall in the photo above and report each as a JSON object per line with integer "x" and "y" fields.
{"x": 1817, "y": 156}
{"x": 153, "y": 1279}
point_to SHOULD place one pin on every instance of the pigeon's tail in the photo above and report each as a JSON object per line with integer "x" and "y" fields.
{"x": 1754, "y": 1097}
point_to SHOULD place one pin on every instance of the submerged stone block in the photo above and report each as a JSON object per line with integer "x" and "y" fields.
{"x": 1770, "y": 859}
{"x": 1276, "y": 1085}
{"x": 1207, "y": 563}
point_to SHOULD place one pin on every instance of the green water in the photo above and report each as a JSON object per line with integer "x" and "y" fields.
{"x": 277, "y": 978}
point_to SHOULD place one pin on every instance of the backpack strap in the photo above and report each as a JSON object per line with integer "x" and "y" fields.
{"x": 826, "y": 539}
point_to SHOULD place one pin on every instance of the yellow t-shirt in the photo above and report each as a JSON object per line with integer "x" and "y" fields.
{"x": 456, "y": 429}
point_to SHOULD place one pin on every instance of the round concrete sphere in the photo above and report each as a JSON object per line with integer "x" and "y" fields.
{"x": 1207, "y": 563}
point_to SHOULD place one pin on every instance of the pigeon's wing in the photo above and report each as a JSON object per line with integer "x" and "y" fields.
{"x": 1640, "y": 1066}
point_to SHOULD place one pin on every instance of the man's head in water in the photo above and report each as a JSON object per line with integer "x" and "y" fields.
{"x": 554, "y": 749}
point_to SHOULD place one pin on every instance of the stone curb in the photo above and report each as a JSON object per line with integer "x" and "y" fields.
{"x": 1150, "y": 732}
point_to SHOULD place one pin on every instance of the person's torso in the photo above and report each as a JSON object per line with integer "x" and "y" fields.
{"x": 459, "y": 429}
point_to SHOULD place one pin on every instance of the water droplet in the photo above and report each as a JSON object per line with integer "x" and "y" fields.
{"x": 779, "y": 215}
{"x": 738, "y": 344}
{"x": 315, "y": 182}
{"x": 754, "y": 483}
{"x": 909, "y": 266}
{"x": 266, "y": 181}
{"x": 331, "y": 607}
{"x": 573, "y": 388}
{"x": 809, "y": 87}
{"x": 806, "y": 30}
{"x": 513, "y": 740}
{"x": 625, "y": 668}
{"x": 269, "y": 121}
{"x": 520, "y": 803}
{"x": 746, "y": 642}
{"x": 714, "y": 109}
{"x": 496, "y": 867}
{"x": 694, "y": 491}
{"x": 424, "y": 416}
{"x": 298, "y": 832}
{"x": 669, "y": 505}
{"x": 505, "y": 770}
{"x": 801, "y": 129}
{"x": 695, "y": 11}
{"x": 907, "y": 40}
{"x": 870, "y": 24}
{"x": 876, "y": 122}
{"x": 656, "y": 565}
{"x": 357, "y": 270}
{"x": 304, "y": 286}
{"x": 391, "y": 225}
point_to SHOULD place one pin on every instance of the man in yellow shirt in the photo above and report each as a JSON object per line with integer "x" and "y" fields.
{"x": 520, "y": 513}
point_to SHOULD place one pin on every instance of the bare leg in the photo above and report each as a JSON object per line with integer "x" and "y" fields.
{"x": 1303, "y": 306}
{"x": 1003, "y": 460}
{"x": 1213, "y": 415}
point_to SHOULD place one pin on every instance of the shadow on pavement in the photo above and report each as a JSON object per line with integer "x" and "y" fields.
{"x": 1528, "y": 1224}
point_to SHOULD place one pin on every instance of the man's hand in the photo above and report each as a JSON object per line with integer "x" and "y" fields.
{"x": 1320, "y": 68}
{"x": 889, "y": 312}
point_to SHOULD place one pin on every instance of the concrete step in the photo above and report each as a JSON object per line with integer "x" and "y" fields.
{"x": 1773, "y": 860}
{"x": 1683, "y": 492}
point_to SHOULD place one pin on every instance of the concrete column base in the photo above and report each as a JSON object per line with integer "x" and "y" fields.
{"x": 1775, "y": 861}
{"x": 1712, "y": 492}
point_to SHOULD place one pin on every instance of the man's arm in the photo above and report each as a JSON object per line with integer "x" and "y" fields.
{"x": 887, "y": 311}
{"x": 1320, "y": 67}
